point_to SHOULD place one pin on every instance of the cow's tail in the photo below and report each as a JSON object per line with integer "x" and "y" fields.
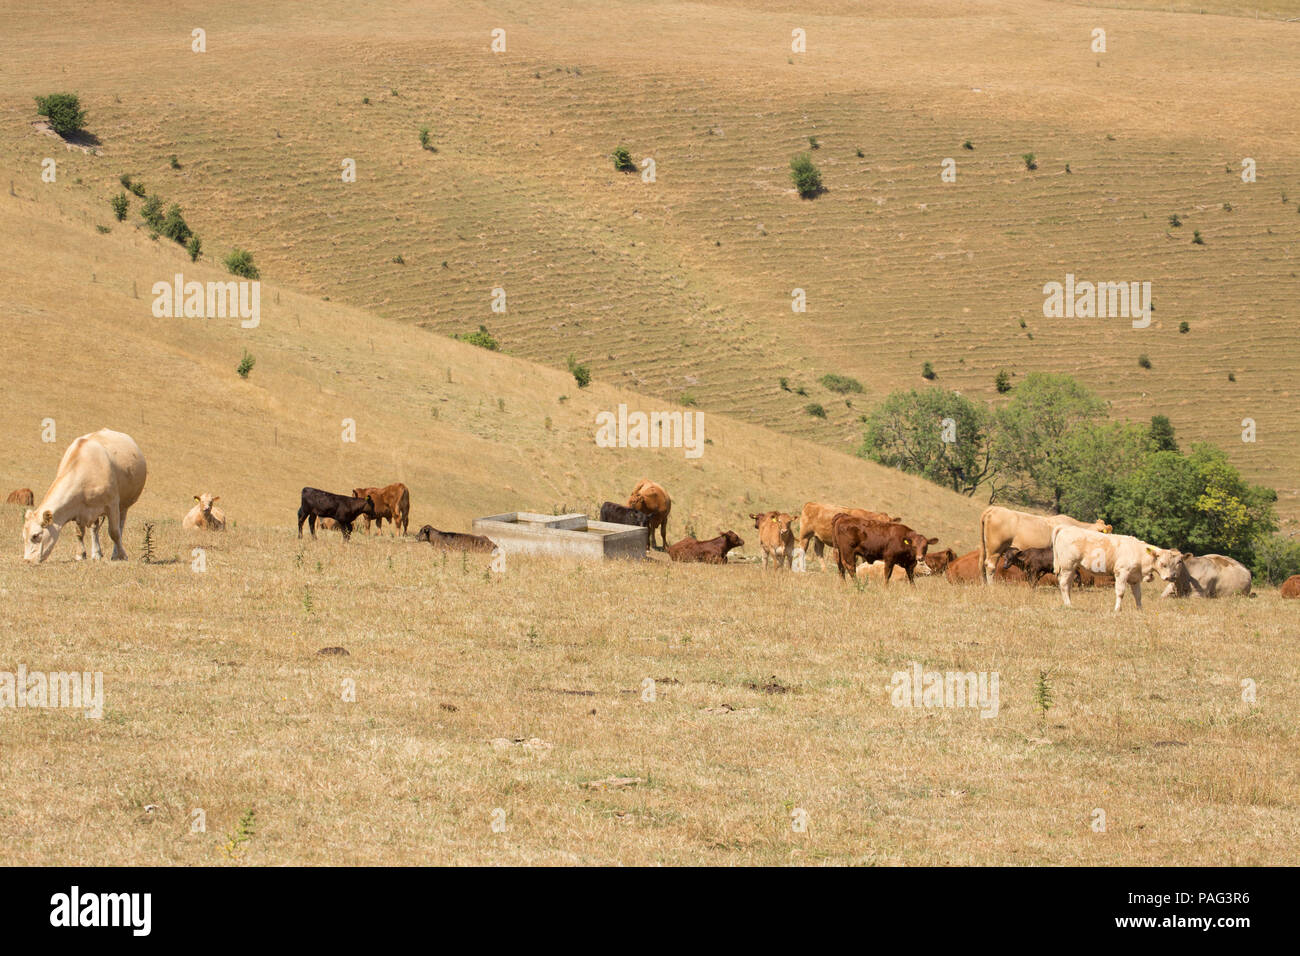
{"x": 984, "y": 552}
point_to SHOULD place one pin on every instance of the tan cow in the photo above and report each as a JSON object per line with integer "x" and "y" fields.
{"x": 204, "y": 517}
{"x": 1002, "y": 528}
{"x": 100, "y": 476}
{"x": 23, "y": 496}
{"x": 815, "y": 525}
{"x": 1130, "y": 560}
{"x": 654, "y": 501}
{"x": 775, "y": 537}
{"x": 1291, "y": 587}
{"x": 1209, "y": 576}
{"x": 392, "y": 503}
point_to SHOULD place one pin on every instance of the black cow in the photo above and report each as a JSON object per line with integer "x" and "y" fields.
{"x": 341, "y": 508}
{"x": 1035, "y": 562}
{"x": 619, "y": 514}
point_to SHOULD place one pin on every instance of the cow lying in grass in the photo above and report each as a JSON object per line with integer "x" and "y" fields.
{"x": 1209, "y": 576}
{"x": 455, "y": 540}
{"x": 713, "y": 551}
{"x": 341, "y": 508}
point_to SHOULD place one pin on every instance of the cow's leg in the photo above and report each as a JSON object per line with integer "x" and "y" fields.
{"x": 820, "y": 547}
{"x": 1063, "y": 581}
{"x": 1171, "y": 588}
{"x": 311, "y": 524}
{"x": 302, "y": 516}
{"x": 990, "y": 565}
{"x": 81, "y": 541}
{"x": 346, "y": 528}
{"x": 114, "y": 532}
{"x": 911, "y": 568}
{"x": 663, "y": 531}
{"x": 1137, "y": 595}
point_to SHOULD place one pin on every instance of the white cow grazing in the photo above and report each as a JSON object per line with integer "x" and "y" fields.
{"x": 101, "y": 475}
{"x": 1130, "y": 560}
{"x": 204, "y": 517}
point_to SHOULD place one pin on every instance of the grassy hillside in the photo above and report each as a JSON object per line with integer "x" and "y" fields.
{"x": 684, "y": 285}
{"x": 465, "y": 428}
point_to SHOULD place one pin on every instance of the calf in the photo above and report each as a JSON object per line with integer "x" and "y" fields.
{"x": 204, "y": 517}
{"x": 455, "y": 540}
{"x": 619, "y": 514}
{"x": 713, "y": 551}
{"x": 892, "y": 543}
{"x": 815, "y": 525}
{"x": 939, "y": 561}
{"x": 775, "y": 537}
{"x": 341, "y": 508}
{"x": 23, "y": 496}
{"x": 1035, "y": 562}
{"x": 392, "y": 502}
{"x": 1129, "y": 559}
{"x": 1291, "y": 587}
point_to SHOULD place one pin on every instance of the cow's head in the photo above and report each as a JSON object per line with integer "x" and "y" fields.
{"x": 1101, "y": 526}
{"x": 369, "y": 509}
{"x": 39, "y": 535}
{"x": 425, "y": 534}
{"x": 205, "y": 503}
{"x": 919, "y": 543}
{"x": 732, "y": 539}
{"x": 783, "y": 522}
{"x": 1165, "y": 563}
{"x": 1013, "y": 558}
{"x": 637, "y": 500}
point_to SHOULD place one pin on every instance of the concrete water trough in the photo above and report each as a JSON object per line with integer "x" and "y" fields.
{"x": 570, "y": 536}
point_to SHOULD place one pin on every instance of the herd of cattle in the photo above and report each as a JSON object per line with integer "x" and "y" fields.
{"x": 102, "y": 475}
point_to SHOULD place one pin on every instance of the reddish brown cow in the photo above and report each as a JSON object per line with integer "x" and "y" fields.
{"x": 1291, "y": 587}
{"x": 939, "y": 561}
{"x": 654, "y": 501}
{"x": 23, "y": 496}
{"x": 966, "y": 570}
{"x": 815, "y": 525}
{"x": 894, "y": 544}
{"x": 392, "y": 502}
{"x": 713, "y": 551}
{"x": 775, "y": 537}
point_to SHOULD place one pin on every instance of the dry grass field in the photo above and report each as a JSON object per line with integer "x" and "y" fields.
{"x": 521, "y": 691}
{"x": 476, "y": 692}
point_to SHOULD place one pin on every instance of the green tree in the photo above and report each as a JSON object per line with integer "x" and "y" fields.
{"x": 807, "y": 177}
{"x": 1162, "y": 433}
{"x": 1032, "y": 433}
{"x": 64, "y": 112}
{"x": 911, "y": 431}
{"x": 1095, "y": 457}
{"x": 240, "y": 262}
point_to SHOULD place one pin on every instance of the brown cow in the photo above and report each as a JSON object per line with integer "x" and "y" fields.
{"x": 713, "y": 551}
{"x": 939, "y": 561}
{"x": 1092, "y": 579}
{"x": 885, "y": 541}
{"x": 775, "y": 537}
{"x": 966, "y": 570}
{"x": 392, "y": 502}
{"x": 815, "y": 525}
{"x": 455, "y": 540}
{"x": 1291, "y": 587}
{"x": 23, "y": 496}
{"x": 654, "y": 501}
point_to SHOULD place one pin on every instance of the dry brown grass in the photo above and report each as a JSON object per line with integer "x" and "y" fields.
{"x": 217, "y": 699}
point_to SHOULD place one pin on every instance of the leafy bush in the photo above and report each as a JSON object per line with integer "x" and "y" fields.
{"x": 815, "y": 410}
{"x": 174, "y": 226}
{"x": 807, "y": 177}
{"x": 240, "y": 263}
{"x": 120, "y": 205}
{"x": 175, "y": 163}
{"x": 195, "y": 248}
{"x": 581, "y": 373}
{"x": 1002, "y": 382}
{"x": 1144, "y": 361}
{"x": 1175, "y": 221}
{"x": 152, "y": 213}
{"x": 1184, "y": 328}
{"x": 1031, "y": 161}
{"x": 64, "y": 112}
{"x": 841, "y": 384}
{"x": 1277, "y": 557}
{"x": 245, "y": 365}
{"x": 623, "y": 161}
{"x": 482, "y": 338}
{"x": 928, "y": 372}
{"x": 425, "y": 141}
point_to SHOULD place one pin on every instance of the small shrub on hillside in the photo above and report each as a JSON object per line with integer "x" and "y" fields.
{"x": 425, "y": 141}
{"x": 138, "y": 189}
{"x": 1144, "y": 361}
{"x": 152, "y": 213}
{"x": 120, "y": 205}
{"x": 245, "y": 365}
{"x": 968, "y": 145}
{"x": 689, "y": 400}
{"x": 102, "y": 229}
{"x": 813, "y": 144}
{"x": 784, "y": 383}
{"x": 175, "y": 163}
{"x": 840, "y": 384}
{"x": 195, "y": 248}
{"x": 64, "y": 112}
{"x": 581, "y": 373}
{"x": 1003, "y": 382}
{"x": 807, "y": 178}
{"x": 1175, "y": 221}
{"x": 482, "y": 338}
{"x": 623, "y": 161}
{"x": 174, "y": 226}
{"x": 1232, "y": 376}
{"x": 1184, "y": 328}
{"x": 928, "y": 372}
{"x": 240, "y": 263}
{"x": 815, "y": 410}
{"x": 1031, "y": 161}
{"x": 1196, "y": 238}
{"x": 125, "y": 180}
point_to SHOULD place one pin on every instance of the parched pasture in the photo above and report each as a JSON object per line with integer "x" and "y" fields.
{"x": 520, "y": 692}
